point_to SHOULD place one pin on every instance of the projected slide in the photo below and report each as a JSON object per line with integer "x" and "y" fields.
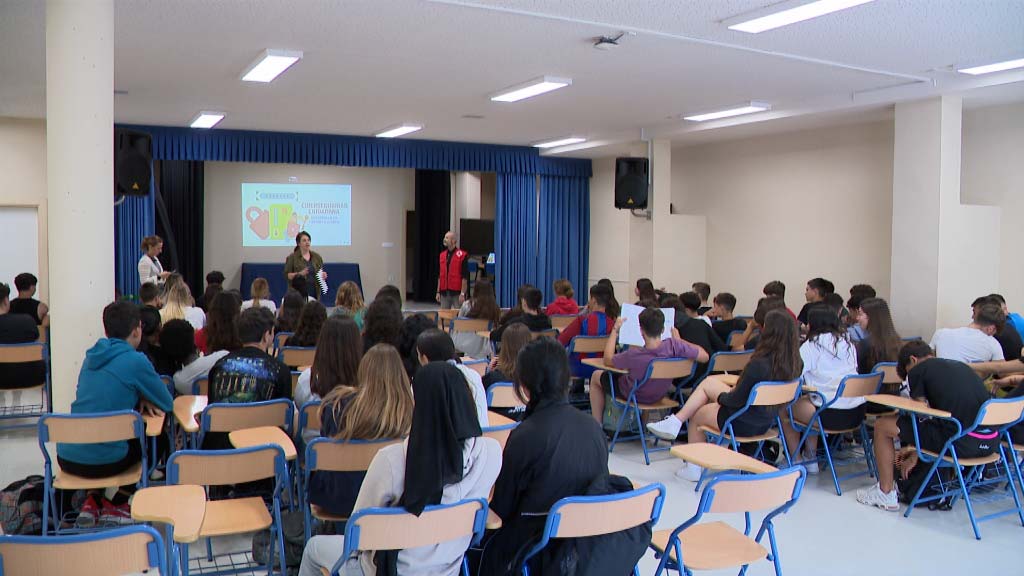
{"x": 273, "y": 214}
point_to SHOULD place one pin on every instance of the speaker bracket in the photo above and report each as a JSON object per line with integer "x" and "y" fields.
{"x": 645, "y": 214}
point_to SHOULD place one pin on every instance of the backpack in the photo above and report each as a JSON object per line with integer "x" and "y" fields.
{"x": 294, "y": 530}
{"x": 21, "y": 507}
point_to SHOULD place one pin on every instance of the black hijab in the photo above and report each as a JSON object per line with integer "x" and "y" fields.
{"x": 443, "y": 417}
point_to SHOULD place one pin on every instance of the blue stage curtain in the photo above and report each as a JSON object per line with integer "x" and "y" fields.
{"x": 173, "y": 143}
{"x": 134, "y": 219}
{"x": 515, "y": 235}
{"x": 564, "y": 234}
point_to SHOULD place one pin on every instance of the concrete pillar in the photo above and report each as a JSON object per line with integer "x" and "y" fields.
{"x": 79, "y": 170}
{"x": 679, "y": 241}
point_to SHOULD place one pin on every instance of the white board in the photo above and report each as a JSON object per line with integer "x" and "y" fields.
{"x": 19, "y": 243}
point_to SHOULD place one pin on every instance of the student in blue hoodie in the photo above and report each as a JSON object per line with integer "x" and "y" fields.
{"x": 114, "y": 376}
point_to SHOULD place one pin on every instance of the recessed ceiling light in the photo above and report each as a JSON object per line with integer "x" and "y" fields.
{"x": 996, "y": 67}
{"x": 400, "y": 130}
{"x": 532, "y": 88}
{"x": 207, "y": 119}
{"x": 270, "y": 65}
{"x": 788, "y": 13}
{"x": 748, "y": 108}
{"x": 560, "y": 142}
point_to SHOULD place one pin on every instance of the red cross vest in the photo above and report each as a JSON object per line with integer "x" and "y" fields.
{"x": 451, "y": 275}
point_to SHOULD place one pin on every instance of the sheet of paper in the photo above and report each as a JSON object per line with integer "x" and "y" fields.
{"x": 630, "y": 335}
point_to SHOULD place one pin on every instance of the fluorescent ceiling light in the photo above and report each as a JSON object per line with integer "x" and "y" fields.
{"x": 748, "y": 108}
{"x": 270, "y": 65}
{"x": 798, "y": 13}
{"x": 997, "y": 67}
{"x": 531, "y": 88}
{"x": 207, "y": 119}
{"x": 401, "y": 130}
{"x": 560, "y": 142}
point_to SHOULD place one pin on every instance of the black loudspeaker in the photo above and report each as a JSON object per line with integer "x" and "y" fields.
{"x": 132, "y": 162}
{"x": 631, "y": 182}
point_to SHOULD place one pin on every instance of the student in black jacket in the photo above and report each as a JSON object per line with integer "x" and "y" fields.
{"x": 693, "y": 328}
{"x": 530, "y": 314}
{"x": 556, "y": 451}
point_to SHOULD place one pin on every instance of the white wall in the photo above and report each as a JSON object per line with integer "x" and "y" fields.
{"x": 23, "y": 183}
{"x": 380, "y": 198}
{"x": 465, "y": 197}
{"x": 609, "y": 233}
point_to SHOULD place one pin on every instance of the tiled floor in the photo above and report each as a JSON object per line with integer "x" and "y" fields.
{"x": 823, "y": 534}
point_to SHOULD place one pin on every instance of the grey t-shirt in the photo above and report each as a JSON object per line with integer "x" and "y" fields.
{"x": 966, "y": 344}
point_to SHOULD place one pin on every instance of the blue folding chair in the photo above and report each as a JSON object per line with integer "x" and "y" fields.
{"x": 696, "y": 545}
{"x": 464, "y": 324}
{"x": 86, "y": 429}
{"x": 296, "y": 356}
{"x": 500, "y": 432}
{"x": 995, "y": 418}
{"x": 279, "y": 339}
{"x": 237, "y": 515}
{"x": 659, "y": 368}
{"x": 580, "y": 345}
{"x": 852, "y": 386}
{"x": 732, "y": 336}
{"x": 128, "y": 550}
{"x": 395, "y": 529}
{"x": 763, "y": 394}
{"x": 726, "y": 362}
{"x": 201, "y": 386}
{"x": 27, "y": 352}
{"x": 585, "y": 516}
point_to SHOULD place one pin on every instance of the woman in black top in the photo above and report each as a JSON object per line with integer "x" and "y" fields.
{"x": 17, "y": 329}
{"x": 882, "y": 343}
{"x": 556, "y": 451}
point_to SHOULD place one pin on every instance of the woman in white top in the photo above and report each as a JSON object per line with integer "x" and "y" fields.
{"x": 828, "y": 356}
{"x": 150, "y": 269}
{"x": 178, "y": 305}
{"x": 259, "y": 293}
{"x": 446, "y": 459}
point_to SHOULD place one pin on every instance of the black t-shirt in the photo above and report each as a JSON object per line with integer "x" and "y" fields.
{"x": 802, "y": 316}
{"x": 703, "y": 310}
{"x": 29, "y": 306}
{"x": 757, "y": 370}
{"x": 725, "y": 327}
{"x": 1009, "y": 339}
{"x": 697, "y": 331}
{"x": 20, "y": 329}
{"x": 951, "y": 386}
{"x": 535, "y": 322}
{"x": 246, "y": 375}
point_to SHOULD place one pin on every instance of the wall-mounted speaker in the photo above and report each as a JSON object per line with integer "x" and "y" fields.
{"x": 132, "y": 162}
{"x": 631, "y": 182}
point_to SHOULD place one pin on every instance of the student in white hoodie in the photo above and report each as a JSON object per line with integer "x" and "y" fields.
{"x": 828, "y": 356}
{"x": 444, "y": 445}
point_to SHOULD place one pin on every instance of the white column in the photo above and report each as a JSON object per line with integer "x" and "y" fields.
{"x": 679, "y": 240}
{"x": 79, "y": 160}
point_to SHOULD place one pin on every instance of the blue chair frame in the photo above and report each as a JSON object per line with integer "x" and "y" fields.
{"x": 289, "y": 423}
{"x": 156, "y": 549}
{"x": 815, "y": 428}
{"x": 477, "y": 362}
{"x": 276, "y": 527}
{"x": 731, "y": 336}
{"x": 554, "y": 516}
{"x": 50, "y": 505}
{"x": 195, "y": 385}
{"x": 964, "y": 486}
{"x": 352, "y": 529}
{"x": 631, "y": 405}
{"x": 705, "y": 507}
{"x": 47, "y": 390}
{"x": 580, "y": 370}
{"x": 495, "y": 386}
{"x": 279, "y": 339}
{"x": 711, "y": 369}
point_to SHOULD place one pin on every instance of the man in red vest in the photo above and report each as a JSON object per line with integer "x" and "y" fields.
{"x": 453, "y": 278}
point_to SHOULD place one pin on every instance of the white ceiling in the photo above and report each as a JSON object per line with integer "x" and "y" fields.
{"x": 370, "y": 64}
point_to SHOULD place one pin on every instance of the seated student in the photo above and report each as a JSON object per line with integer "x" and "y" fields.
{"x": 436, "y": 346}
{"x": 114, "y": 377}
{"x": 828, "y": 356}
{"x": 563, "y": 304}
{"x": 556, "y": 451}
{"x": 26, "y": 283}
{"x": 835, "y": 302}
{"x": 259, "y": 296}
{"x": 150, "y": 344}
{"x": 307, "y": 331}
{"x": 776, "y": 359}
{"x": 645, "y": 293}
{"x": 636, "y": 359}
{"x": 301, "y": 285}
{"x": 503, "y": 366}
{"x": 221, "y": 330}
{"x": 17, "y": 329}
{"x": 816, "y": 291}
{"x": 776, "y": 289}
{"x": 945, "y": 385}
{"x": 288, "y": 314}
{"x": 1011, "y": 317}
{"x": 858, "y": 293}
{"x": 692, "y": 306}
{"x": 881, "y": 342}
{"x": 1007, "y": 336}
{"x": 338, "y": 351}
{"x": 752, "y": 333}
{"x": 181, "y": 359}
{"x": 726, "y": 323}
{"x": 598, "y": 318}
{"x": 693, "y": 328}
{"x": 482, "y": 306}
{"x": 178, "y": 306}
{"x": 703, "y": 289}
{"x": 375, "y": 404}
{"x": 412, "y": 327}
{"x": 349, "y": 302}
{"x": 974, "y": 342}
{"x": 446, "y": 459}
{"x": 214, "y": 285}
{"x": 390, "y": 291}
{"x": 382, "y": 323}
{"x": 529, "y": 304}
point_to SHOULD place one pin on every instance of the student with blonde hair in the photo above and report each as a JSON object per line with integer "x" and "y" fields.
{"x": 179, "y": 305}
{"x": 349, "y": 302}
{"x": 259, "y": 296}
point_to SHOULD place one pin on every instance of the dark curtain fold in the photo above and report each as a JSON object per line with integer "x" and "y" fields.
{"x": 179, "y": 221}
{"x": 433, "y": 217}
{"x": 564, "y": 232}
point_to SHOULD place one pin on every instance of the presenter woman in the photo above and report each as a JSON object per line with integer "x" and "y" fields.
{"x": 150, "y": 269}
{"x": 305, "y": 262}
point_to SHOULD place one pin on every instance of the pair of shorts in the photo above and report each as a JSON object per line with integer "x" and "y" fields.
{"x": 933, "y": 436}
{"x": 835, "y": 419}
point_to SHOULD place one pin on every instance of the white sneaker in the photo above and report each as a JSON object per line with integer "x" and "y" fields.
{"x": 875, "y": 497}
{"x": 690, "y": 472}
{"x": 810, "y": 462}
{"x": 667, "y": 429}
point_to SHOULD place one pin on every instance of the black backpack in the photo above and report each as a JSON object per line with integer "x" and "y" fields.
{"x": 21, "y": 507}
